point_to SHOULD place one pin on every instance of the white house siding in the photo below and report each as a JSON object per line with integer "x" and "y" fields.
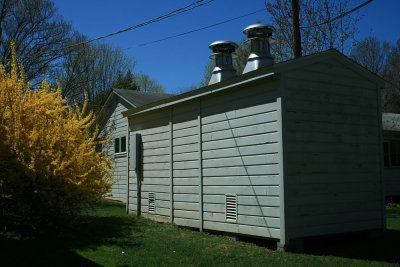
{"x": 391, "y": 174}
{"x": 132, "y": 191}
{"x": 239, "y": 153}
{"x": 332, "y": 151}
{"x": 392, "y": 181}
{"x": 117, "y": 105}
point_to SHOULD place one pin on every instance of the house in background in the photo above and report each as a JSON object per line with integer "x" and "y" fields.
{"x": 116, "y": 125}
{"x": 284, "y": 151}
{"x": 391, "y": 147}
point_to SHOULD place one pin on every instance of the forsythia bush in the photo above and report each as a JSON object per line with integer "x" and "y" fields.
{"x": 48, "y": 164}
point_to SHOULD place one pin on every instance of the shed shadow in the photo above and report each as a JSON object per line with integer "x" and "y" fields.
{"x": 61, "y": 248}
{"x": 358, "y": 246}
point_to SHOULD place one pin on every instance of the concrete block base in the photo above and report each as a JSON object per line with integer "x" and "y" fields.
{"x": 294, "y": 245}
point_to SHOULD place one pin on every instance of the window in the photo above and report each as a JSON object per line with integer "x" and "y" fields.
{"x": 386, "y": 154}
{"x": 120, "y": 144}
{"x": 123, "y": 144}
{"x": 391, "y": 153}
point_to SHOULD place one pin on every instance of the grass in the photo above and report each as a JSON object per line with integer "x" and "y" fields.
{"x": 107, "y": 237}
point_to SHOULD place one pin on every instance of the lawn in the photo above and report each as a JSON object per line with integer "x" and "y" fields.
{"x": 108, "y": 237}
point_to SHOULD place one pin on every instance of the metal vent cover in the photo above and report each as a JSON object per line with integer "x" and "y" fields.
{"x": 231, "y": 208}
{"x": 259, "y": 38}
{"x": 152, "y": 202}
{"x": 223, "y": 61}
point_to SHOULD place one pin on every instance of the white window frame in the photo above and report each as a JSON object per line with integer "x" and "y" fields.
{"x": 120, "y": 145}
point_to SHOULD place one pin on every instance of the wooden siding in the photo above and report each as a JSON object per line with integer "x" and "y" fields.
{"x": 332, "y": 151}
{"x": 154, "y": 175}
{"x": 132, "y": 195}
{"x": 117, "y": 105}
{"x": 238, "y": 153}
{"x": 119, "y": 188}
{"x": 186, "y": 165}
{"x": 240, "y": 157}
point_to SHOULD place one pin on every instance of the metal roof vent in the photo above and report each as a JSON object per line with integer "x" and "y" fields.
{"x": 223, "y": 61}
{"x": 260, "y": 37}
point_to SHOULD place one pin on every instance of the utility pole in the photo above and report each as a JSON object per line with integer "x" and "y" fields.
{"x": 296, "y": 29}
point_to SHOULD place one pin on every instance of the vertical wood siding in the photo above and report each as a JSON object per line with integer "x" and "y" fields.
{"x": 332, "y": 151}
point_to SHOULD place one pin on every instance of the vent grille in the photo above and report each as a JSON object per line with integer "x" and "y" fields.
{"x": 152, "y": 202}
{"x": 231, "y": 208}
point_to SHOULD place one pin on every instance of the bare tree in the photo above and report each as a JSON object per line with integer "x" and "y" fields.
{"x": 92, "y": 69}
{"x": 383, "y": 59}
{"x": 372, "y": 54}
{"x": 38, "y": 33}
{"x": 318, "y": 31}
{"x": 146, "y": 84}
{"x": 392, "y": 75}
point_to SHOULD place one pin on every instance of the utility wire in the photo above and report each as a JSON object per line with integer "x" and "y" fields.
{"x": 196, "y": 30}
{"x": 245, "y": 15}
{"x": 340, "y": 16}
{"x": 189, "y": 7}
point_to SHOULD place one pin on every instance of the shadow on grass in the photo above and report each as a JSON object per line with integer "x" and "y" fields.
{"x": 60, "y": 249}
{"x": 383, "y": 249}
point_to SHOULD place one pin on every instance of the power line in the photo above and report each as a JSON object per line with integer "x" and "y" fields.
{"x": 340, "y": 16}
{"x": 189, "y": 7}
{"x": 245, "y": 15}
{"x": 195, "y": 30}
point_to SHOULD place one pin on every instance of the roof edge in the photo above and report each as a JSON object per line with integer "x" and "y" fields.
{"x": 363, "y": 70}
{"x": 210, "y": 89}
{"x": 267, "y": 71}
{"x": 108, "y": 99}
{"x": 115, "y": 92}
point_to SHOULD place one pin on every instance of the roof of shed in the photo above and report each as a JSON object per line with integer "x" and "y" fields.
{"x": 391, "y": 122}
{"x": 139, "y": 98}
{"x": 262, "y": 73}
{"x": 133, "y": 98}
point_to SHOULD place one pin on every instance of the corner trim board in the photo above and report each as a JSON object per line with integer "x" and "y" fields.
{"x": 383, "y": 189}
{"x": 200, "y": 168}
{"x": 283, "y": 237}
{"x": 171, "y": 164}
{"x": 127, "y": 169}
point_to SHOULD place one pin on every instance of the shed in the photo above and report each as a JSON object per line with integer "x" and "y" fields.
{"x": 288, "y": 151}
{"x": 391, "y": 148}
{"x": 116, "y": 125}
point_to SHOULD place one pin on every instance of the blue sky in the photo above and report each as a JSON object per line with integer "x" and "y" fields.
{"x": 178, "y": 63}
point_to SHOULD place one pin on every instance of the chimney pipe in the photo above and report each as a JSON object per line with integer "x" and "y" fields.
{"x": 259, "y": 36}
{"x": 223, "y": 61}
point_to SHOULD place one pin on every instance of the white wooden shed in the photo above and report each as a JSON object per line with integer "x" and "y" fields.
{"x": 116, "y": 125}
{"x": 288, "y": 151}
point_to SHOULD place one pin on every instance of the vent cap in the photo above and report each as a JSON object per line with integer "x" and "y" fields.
{"x": 259, "y": 38}
{"x": 223, "y": 61}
